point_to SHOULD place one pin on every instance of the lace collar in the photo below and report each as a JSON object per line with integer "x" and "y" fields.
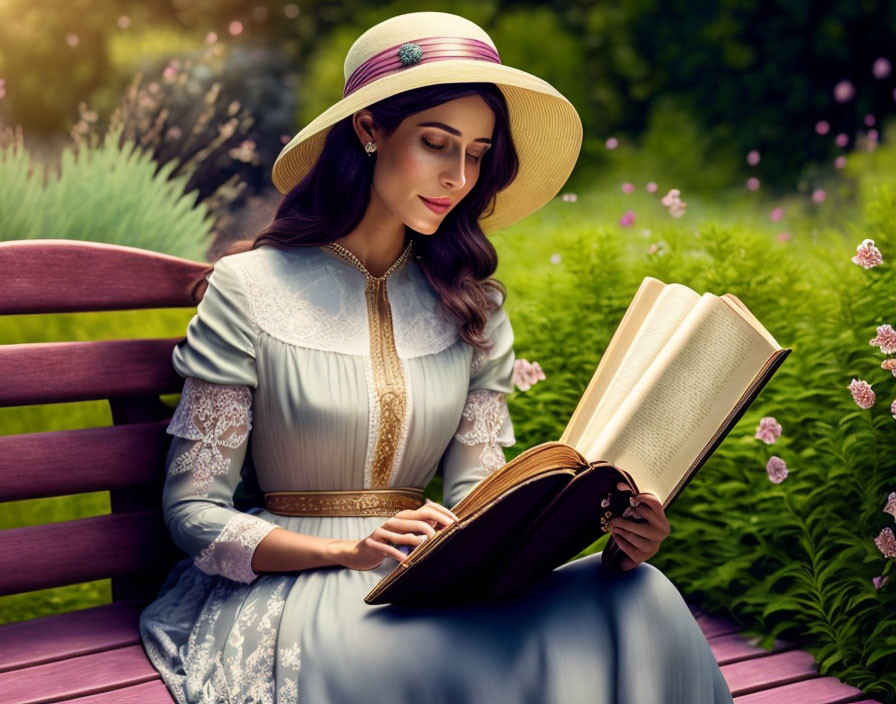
{"x": 340, "y": 252}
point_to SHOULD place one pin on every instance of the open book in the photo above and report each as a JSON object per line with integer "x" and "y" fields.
{"x": 678, "y": 374}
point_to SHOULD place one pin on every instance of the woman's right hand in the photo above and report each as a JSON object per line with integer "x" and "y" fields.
{"x": 408, "y": 527}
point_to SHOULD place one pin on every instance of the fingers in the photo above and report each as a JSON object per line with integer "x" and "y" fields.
{"x": 406, "y": 525}
{"x": 441, "y": 509}
{"x": 634, "y": 557}
{"x": 390, "y": 551}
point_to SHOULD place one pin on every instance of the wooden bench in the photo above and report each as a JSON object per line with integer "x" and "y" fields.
{"x": 95, "y": 656}
{"x": 96, "y": 651}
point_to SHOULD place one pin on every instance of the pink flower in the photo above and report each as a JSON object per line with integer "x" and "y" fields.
{"x": 569, "y": 197}
{"x": 872, "y": 135}
{"x": 769, "y": 430}
{"x": 886, "y": 542}
{"x": 840, "y": 162}
{"x": 72, "y": 39}
{"x": 776, "y": 469}
{"x": 842, "y": 140}
{"x": 822, "y": 127}
{"x": 890, "y": 506}
{"x": 869, "y": 120}
{"x": 124, "y": 22}
{"x": 844, "y": 91}
{"x": 628, "y": 219}
{"x": 889, "y": 365}
{"x": 885, "y": 339}
{"x": 674, "y": 203}
{"x": 867, "y": 255}
{"x": 880, "y": 68}
{"x": 753, "y": 183}
{"x": 611, "y": 143}
{"x": 878, "y": 582}
{"x": 783, "y": 236}
{"x": 526, "y": 375}
{"x": 235, "y": 28}
{"x": 627, "y": 187}
{"x": 893, "y": 409}
{"x": 862, "y": 393}
{"x": 658, "y": 248}
{"x": 776, "y": 214}
{"x": 555, "y": 258}
{"x": 211, "y": 38}
{"x": 285, "y": 138}
{"x": 2, "y": 88}
{"x": 651, "y": 187}
{"x": 753, "y": 157}
{"x": 818, "y": 195}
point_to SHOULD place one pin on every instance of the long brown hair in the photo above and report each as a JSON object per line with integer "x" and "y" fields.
{"x": 458, "y": 260}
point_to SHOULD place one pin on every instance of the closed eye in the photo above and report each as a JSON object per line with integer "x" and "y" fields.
{"x": 440, "y": 148}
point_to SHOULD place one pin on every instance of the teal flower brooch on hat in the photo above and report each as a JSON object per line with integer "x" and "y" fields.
{"x": 409, "y": 53}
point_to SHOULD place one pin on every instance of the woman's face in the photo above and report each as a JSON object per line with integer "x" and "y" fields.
{"x": 434, "y": 154}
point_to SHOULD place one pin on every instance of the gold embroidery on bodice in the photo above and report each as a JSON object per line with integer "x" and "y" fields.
{"x": 391, "y": 392}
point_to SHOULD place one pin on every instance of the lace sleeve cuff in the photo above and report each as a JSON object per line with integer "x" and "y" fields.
{"x": 230, "y": 554}
{"x": 485, "y": 421}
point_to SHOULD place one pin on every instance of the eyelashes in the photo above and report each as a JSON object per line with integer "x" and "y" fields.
{"x": 438, "y": 149}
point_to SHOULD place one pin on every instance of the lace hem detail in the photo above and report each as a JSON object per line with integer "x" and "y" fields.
{"x": 219, "y": 416}
{"x": 230, "y": 554}
{"x": 486, "y": 413}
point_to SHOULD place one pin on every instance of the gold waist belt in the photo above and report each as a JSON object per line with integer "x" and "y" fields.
{"x": 360, "y": 502}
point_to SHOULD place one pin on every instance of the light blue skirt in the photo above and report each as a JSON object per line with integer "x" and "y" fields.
{"x": 584, "y": 634}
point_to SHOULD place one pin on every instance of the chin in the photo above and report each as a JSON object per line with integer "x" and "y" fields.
{"x": 426, "y": 229}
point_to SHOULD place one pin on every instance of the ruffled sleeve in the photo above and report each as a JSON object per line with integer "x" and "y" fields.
{"x": 485, "y": 428}
{"x": 210, "y": 430}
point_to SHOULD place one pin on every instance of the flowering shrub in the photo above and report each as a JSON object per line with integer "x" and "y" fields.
{"x": 792, "y": 544}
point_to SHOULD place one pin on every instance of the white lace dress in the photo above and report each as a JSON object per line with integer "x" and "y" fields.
{"x": 328, "y": 378}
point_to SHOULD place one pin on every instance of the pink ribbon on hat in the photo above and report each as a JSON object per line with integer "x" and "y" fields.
{"x": 433, "y": 49}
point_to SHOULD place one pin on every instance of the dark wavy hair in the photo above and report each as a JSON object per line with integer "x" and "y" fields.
{"x": 458, "y": 260}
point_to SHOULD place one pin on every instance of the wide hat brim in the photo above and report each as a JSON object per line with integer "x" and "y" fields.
{"x": 545, "y": 128}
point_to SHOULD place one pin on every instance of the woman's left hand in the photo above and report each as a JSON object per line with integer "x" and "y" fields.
{"x": 640, "y": 540}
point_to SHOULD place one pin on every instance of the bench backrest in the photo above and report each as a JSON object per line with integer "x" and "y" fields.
{"x": 131, "y": 545}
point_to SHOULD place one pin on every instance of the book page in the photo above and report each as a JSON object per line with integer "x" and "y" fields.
{"x": 644, "y": 298}
{"x": 671, "y": 308}
{"x": 684, "y": 396}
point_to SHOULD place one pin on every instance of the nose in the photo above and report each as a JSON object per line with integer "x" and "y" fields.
{"x": 455, "y": 177}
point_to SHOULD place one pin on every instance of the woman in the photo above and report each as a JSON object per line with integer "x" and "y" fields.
{"x": 357, "y": 347}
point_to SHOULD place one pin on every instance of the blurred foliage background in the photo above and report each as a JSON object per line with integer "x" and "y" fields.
{"x": 156, "y": 125}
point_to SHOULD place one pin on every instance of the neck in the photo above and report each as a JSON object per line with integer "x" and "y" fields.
{"x": 377, "y": 240}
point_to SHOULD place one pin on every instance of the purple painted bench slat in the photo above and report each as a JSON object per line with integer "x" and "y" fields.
{"x": 147, "y": 693}
{"x": 770, "y": 671}
{"x": 131, "y": 278}
{"x": 52, "y": 638}
{"x": 55, "y": 372}
{"x": 821, "y": 690}
{"x": 64, "y": 462}
{"x": 82, "y": 550}
{"x": 713, "y": 626}
{"x": 733, "y": 647}
{"x": 79, "y": 676}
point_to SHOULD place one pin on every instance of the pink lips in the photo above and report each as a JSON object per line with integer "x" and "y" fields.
{"x": 435, "y": 206}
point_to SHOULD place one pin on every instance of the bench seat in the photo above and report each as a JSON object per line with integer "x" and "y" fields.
{"x": 94, "y": 655}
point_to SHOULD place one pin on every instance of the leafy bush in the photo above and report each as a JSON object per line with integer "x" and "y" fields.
{"x": 796, "y": 559}
{"x": 108, "y": 193}
{"x": 194, "y": 110}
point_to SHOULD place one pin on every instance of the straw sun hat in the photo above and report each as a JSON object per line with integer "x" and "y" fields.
{"x": 427, "y": 48}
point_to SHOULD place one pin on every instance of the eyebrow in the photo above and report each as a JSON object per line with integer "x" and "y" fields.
{"x": 452, "y": 130}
